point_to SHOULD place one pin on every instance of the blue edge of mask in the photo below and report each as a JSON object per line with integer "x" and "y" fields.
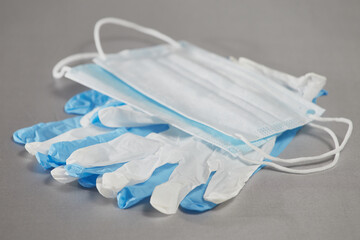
{"x": 130, "y": 195}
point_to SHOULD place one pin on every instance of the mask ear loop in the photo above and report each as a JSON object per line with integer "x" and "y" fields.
{"x": 336, "y": 151}
{"x": 61, "y": 68}
{"x": 128, "y": 24}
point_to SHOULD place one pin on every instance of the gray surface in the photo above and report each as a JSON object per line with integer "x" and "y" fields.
{"x": 293, "y": 36}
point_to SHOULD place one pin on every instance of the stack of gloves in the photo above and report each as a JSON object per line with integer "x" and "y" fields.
{"x": 131, "y": 156}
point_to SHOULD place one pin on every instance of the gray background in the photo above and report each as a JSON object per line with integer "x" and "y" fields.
{"x": 293, "y": 36}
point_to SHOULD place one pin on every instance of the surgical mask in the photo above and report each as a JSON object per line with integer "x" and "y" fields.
{"x": 95, "y": 77}
{"x": 205, "y": 95}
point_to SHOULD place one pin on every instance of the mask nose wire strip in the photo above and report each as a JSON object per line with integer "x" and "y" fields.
{"x": 127, "y": 24}
{"x": 62, "y": 67}
{"x": 335, "y": 151}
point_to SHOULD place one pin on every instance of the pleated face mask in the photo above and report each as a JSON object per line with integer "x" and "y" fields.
{"x": 211, "y": 90}
{"x": 216, "y": 99}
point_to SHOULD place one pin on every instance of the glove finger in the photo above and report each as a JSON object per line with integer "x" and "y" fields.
{"x": 135, "y": 172}
{"x": 70, "y": 135}
{"x": 86, "y": 119}
{"x": 108, "y": 156}
{"x": 232, "y": 174}
{"x": 60, "y": 175}
{"x": 191, "y": 172}
{"x": 84, "y": 102}
{"x": 195, "y": 201}
{"x": 89, "y": 181}
{"x": 43, "y": 131}
{"x": 94, "y": 118}
{"x": 131, "y": 173}
{"x": 79, "y": 171}
{"x": 140, "y": 170}
{"x": 132, "y": 195}
{"x": 172, "y": 139}
{"x": 227, "y": 183}
{"x": 126, "y": 147}
{"x": 60, "y": 151}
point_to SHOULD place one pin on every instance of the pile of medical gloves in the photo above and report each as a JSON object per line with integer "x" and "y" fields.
{"x": 130, "y": 156}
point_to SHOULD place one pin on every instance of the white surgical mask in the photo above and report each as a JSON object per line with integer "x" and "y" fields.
{"x": 206, "y": 95}
{"x": 211, "y": 90}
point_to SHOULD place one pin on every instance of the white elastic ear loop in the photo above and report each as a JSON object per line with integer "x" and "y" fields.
{"x": 304, "y": 171}
{"x": 60, "y": 69}
{"x": 335, "y": 151}
{"x": 124, "y": 23}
